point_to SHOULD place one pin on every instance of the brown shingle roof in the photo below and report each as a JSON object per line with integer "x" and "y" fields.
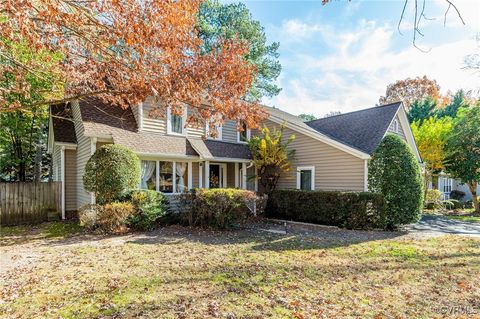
{"x": 228, "y": 150}
{"x": 96, "y": 111}
{"x": 62, "y": 121}
{"x": 153, "y": 143}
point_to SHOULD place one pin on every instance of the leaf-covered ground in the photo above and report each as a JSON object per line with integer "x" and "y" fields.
{"x": 56, "y": 271}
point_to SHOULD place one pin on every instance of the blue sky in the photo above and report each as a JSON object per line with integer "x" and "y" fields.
{"x": 341, "y": 57}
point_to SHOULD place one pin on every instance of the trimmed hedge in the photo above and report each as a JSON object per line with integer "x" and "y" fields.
{"x": 344, "y": 209}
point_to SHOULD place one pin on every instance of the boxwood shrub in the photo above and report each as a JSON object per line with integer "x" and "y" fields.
{"x": 344, "y": 209}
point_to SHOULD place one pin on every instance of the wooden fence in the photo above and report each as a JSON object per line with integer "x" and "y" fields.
{"x": 22, "y": 203}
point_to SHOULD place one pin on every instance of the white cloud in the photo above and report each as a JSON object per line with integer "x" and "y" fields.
{"x": 359, "y": 64}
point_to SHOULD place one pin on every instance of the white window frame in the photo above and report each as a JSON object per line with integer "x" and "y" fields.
{"x": 306, "y": 168}
{"x": 219, "y": 129}
{"x": 174, "y": 177}
{"x": 395, "y": 126}
{"x": 184, "y": 121}
{"x": 248, "y": 136}
{"x": 447, "y": 183}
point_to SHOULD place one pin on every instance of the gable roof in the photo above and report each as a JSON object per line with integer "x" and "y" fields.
{"x": 362, "y": 130}
{"x": 62, "y": 123}
{"x": 295, "y": 123}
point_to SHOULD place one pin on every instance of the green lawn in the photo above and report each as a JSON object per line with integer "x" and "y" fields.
{"x": 183, "y": 273}
{"x": 465, "y": 218}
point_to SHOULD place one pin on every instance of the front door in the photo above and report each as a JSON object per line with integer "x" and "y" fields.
{"x": 218, "y": 175}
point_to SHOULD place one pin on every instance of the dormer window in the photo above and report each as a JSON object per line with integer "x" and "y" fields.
{"x": 176, "y": 123}
{"x": 244, "y": 135}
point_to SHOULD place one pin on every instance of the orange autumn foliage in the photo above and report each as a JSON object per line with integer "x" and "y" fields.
{"x": 124, "y": 51}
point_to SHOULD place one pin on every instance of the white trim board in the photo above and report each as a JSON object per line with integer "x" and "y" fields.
{"x": 306, "y": 168}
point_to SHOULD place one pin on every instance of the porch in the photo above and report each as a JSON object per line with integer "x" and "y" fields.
{"x": 175, "y": 176}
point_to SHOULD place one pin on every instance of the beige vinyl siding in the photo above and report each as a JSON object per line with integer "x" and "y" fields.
{"x": 195, "y": 130}
{"x": 154, "y": 123}
{"x": 70, "y": 180}
{"x": 56, "y": 163}
{"x": 229, "y": 131}
{"x": 83, "y": 154}
{"x": 157, "y": 122}
{"x": 401, "y": 131}
{"x": 334, "y": 168}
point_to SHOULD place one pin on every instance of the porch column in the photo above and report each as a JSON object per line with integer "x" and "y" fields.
{"x": 244, "y": 175}
{"x": 190, "y": 180}
{"x": 62, "y": 169}
{"x": 93, "y": 148}
{"x": 174, "y": 177}
{"x": 200, "y": 175}
{"x": 207, "y": 174}
{"x": 236, "y": 174}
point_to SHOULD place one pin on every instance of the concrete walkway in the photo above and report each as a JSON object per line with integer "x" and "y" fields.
{"x": 442, "y": 225}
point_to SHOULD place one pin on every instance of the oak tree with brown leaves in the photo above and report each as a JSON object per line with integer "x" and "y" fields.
{"x": 123, "y": 52}
{"x": 410, "y": 90}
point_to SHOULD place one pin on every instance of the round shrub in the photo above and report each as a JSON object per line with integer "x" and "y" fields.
{"x": 395, "y": 172}
{"x": 111, "y": 171}
{"x": 150, "y": 207}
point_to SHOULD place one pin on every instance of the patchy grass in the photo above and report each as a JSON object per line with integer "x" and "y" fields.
{"x": 184, "y": 273}
{"x": 465, "y": 218}
{"x": 10, "y": 235}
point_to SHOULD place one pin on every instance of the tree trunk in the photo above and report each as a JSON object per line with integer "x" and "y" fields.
{"x": 473, "y": 190}
{"x": 426, "y": 182}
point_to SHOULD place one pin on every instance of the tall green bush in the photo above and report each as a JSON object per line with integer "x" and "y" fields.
{"x": 111, "y": 171}
{"x": 395, "y": 172}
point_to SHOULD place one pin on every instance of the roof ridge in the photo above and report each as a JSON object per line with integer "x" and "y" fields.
{"x": 362, "y": 110}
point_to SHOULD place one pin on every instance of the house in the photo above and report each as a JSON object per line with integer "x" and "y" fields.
{"x": 446, "y": 184}
{"x": 331, "y": 153}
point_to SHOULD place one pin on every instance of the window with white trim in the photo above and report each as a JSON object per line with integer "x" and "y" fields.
{"x": 176, "y": 123}
{"x": 306, "y": 178}
{"x": 395, "y": 125}
{"x": 218, "y": 130}
{"x": 244, "y": 135}
{"x": 164, "y": 176}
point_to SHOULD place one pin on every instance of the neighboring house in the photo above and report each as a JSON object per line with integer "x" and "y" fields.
{"x": 331, "y": 153}
{"x": 445, "y": 184}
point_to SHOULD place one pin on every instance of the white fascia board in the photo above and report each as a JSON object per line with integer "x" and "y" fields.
{"x": 318, "y": 136}
{"x": 159, "y": 156}
{"x": 405, "y": 123}
{"x": 68, "y": 146}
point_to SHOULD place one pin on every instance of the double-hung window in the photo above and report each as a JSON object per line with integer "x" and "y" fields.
{"x": 216, "y": 133}
{"x": 244, "y": 135}
{"x": 306, "y": 178}
{"x": 176, "y": 123}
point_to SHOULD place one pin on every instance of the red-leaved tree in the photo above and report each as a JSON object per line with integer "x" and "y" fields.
{"x": 123, "y": 51}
